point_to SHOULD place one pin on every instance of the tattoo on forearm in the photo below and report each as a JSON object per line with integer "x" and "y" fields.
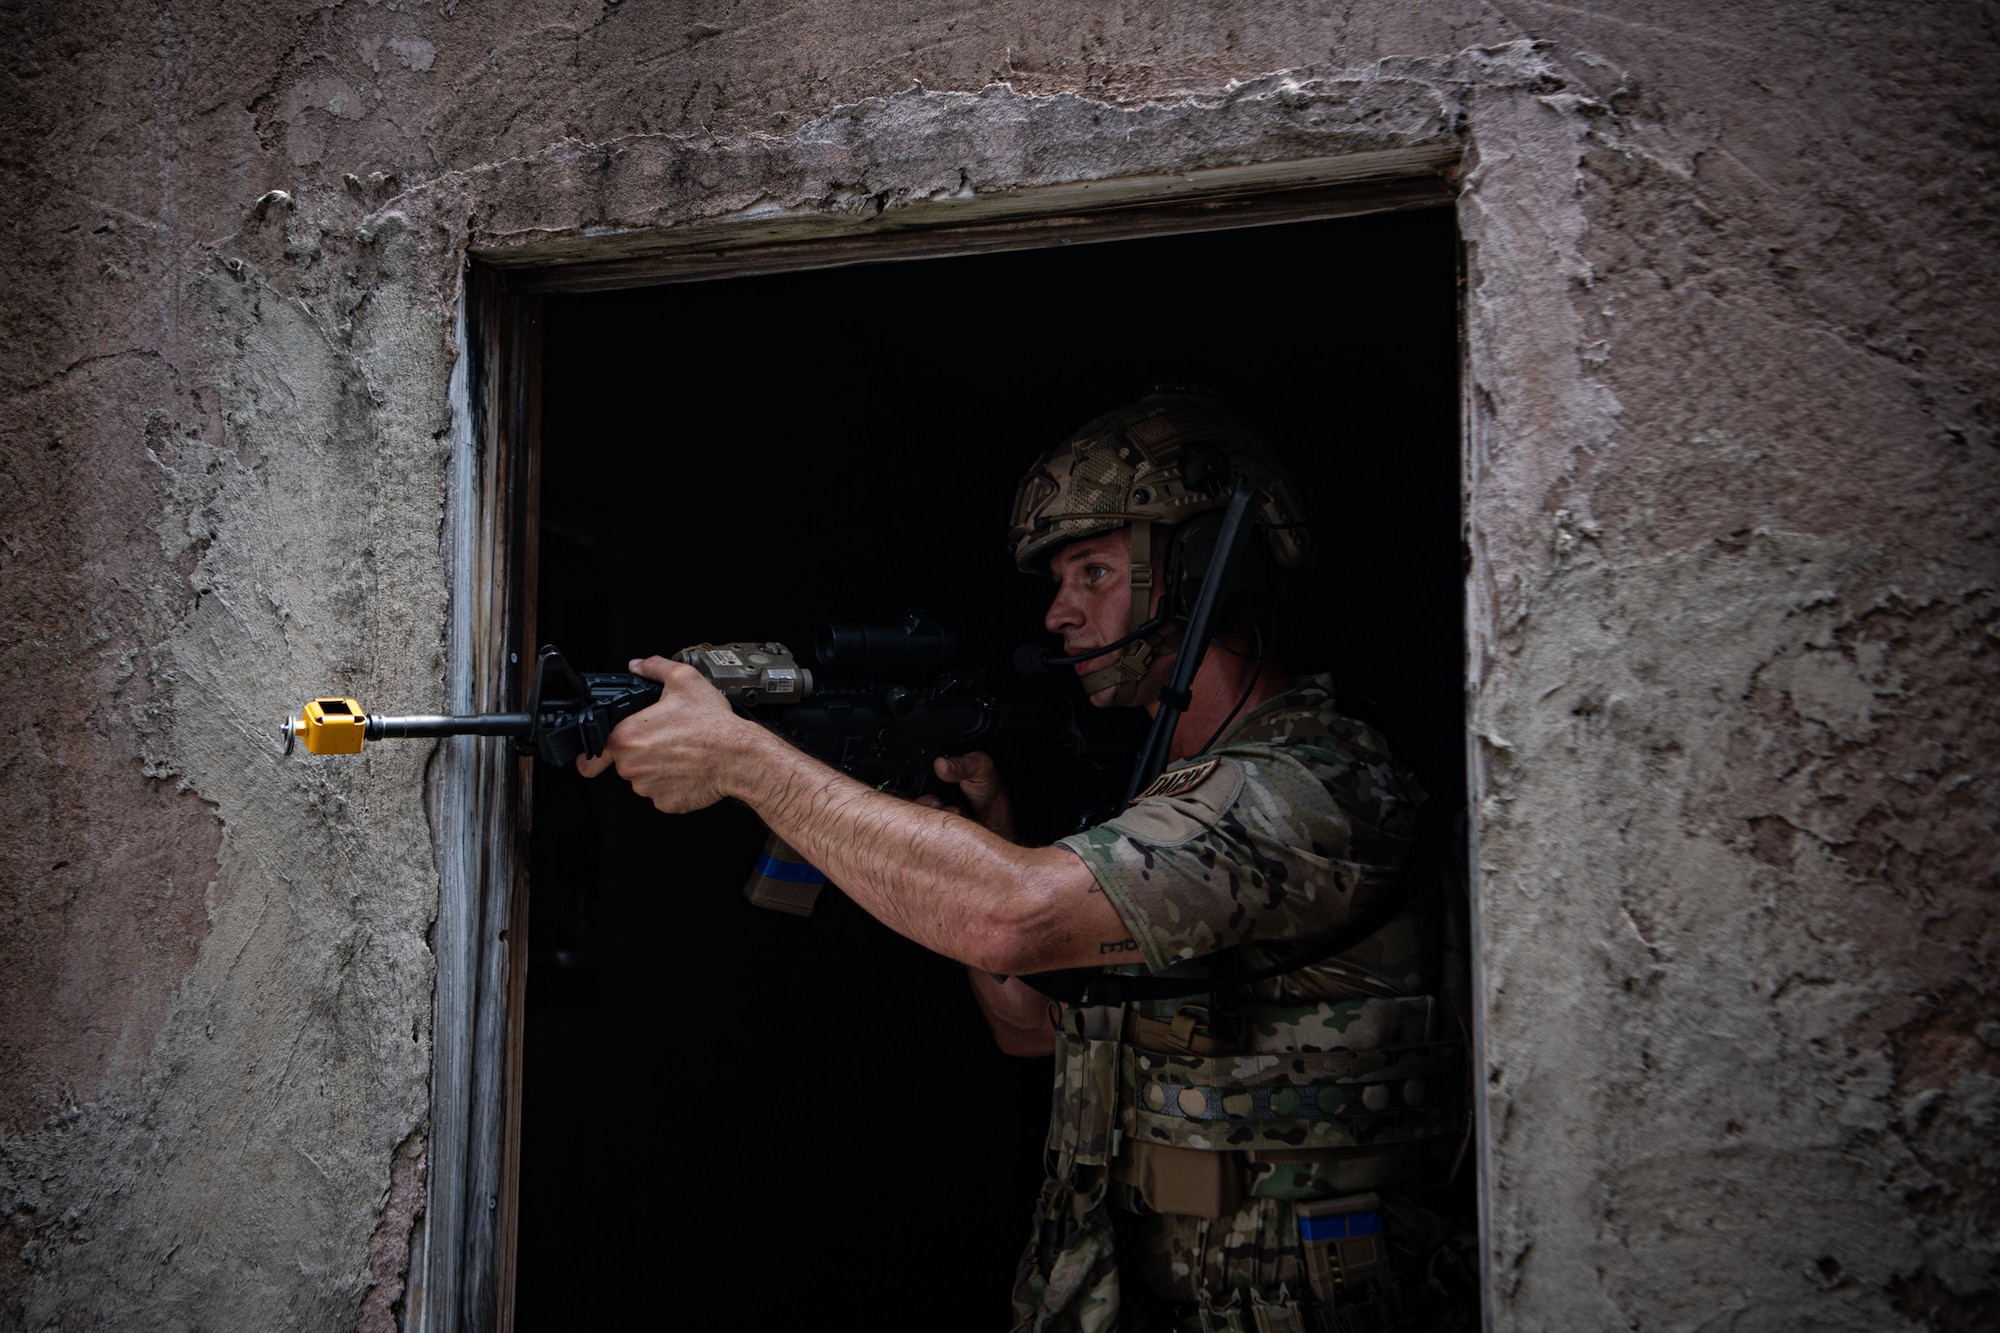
{"x": 1117, "y": 946}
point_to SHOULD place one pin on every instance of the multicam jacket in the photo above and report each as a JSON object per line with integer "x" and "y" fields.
{"x": 1202, "y": 1130}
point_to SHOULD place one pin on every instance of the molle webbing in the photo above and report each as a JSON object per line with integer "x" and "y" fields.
{"x": 1302, "y": 1099}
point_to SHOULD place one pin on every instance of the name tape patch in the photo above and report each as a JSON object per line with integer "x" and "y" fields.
{"x": 1177, "y": 780}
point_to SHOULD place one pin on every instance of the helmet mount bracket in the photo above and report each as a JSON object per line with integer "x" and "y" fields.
{"x": 1178, "y": 692}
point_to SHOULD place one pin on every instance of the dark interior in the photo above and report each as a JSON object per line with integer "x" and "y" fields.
{"x": 787, "y": 1119}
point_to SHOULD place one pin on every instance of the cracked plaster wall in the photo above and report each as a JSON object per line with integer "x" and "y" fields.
{"x": 1732, "y": 478}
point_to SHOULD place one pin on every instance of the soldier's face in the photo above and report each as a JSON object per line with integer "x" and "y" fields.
{"x": 1093, "y": 600}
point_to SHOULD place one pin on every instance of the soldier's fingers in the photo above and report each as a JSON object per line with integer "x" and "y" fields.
{"x": 663, "y": 669}
{"x": 979, "y": 780}
{"x": 975, "y": 766}
{"x": 976, "y": 776}
{"x": 590, "y": 768}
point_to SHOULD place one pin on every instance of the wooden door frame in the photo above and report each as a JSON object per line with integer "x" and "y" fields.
{"x": 480, "y": 797}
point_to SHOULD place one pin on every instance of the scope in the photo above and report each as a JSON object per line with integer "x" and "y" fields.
{"x": 886, "y": 647}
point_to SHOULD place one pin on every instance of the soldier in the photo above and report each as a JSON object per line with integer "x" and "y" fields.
{"x": 1248, "y": 1106}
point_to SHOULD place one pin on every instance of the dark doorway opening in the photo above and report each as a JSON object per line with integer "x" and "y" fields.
{"x": 784, "y": 1117}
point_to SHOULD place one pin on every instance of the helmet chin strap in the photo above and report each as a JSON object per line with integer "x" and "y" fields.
{"x": 1131, "y": 666}
{"x": 1139, "y": 655}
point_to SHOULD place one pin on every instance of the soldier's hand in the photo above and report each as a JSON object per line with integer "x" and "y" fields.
{"x": 978, "y": 781}
{"x": 672, "y": 753}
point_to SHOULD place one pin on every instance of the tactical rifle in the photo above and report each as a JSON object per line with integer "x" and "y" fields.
{"x": 567, "y": 715}
{"x": 889, "y": 698}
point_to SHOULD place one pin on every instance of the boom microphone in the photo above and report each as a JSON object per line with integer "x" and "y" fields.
{"x": 1032, "y": 661}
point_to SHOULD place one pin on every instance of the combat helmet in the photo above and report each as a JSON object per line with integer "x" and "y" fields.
{"x": 1152, "y": 466}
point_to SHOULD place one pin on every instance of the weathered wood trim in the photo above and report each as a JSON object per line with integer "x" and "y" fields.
{"x": 1078, "y": 213}
{"x": 523, "y": 437}
{"x": 478, "y": 820}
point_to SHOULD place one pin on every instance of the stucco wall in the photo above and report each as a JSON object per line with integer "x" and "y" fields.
{"x": 1732, "y": 476}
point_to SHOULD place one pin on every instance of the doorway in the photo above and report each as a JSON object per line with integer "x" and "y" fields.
{"x": 781, "y": 1117}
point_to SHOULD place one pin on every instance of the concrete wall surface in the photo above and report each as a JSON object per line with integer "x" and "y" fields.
{"x": 1733, "y": 474}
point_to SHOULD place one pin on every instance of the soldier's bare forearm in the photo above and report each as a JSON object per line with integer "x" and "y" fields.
{"x": 931, "y": 875}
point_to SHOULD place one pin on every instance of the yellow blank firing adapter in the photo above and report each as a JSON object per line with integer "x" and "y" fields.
{"x": 328, "y": 726}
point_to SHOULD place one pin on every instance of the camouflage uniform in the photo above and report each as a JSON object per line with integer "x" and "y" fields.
{"x": 1187, "y": 1137}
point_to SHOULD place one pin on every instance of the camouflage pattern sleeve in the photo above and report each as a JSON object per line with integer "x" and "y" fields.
{"x": 1282, "y": 833}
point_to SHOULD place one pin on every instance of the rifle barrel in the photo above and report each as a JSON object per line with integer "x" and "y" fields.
{"x": 432, "y": 724}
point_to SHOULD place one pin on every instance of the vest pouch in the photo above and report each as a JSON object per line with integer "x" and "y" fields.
{"x": 1344, "y": 1244}
{"x": 1067, "y": 1281}
{"x": 1084, "y": 1119}
{"x": 1246, "y": 1311}
{"x": 1280, "y": 1314}
{"x": 1187, "y": 1181}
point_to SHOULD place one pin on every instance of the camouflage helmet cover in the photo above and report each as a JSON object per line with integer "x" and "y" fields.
{"x": 1125, "y": 467}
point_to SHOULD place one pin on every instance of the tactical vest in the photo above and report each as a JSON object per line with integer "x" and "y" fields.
{"x": 1254, "y": 1159}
